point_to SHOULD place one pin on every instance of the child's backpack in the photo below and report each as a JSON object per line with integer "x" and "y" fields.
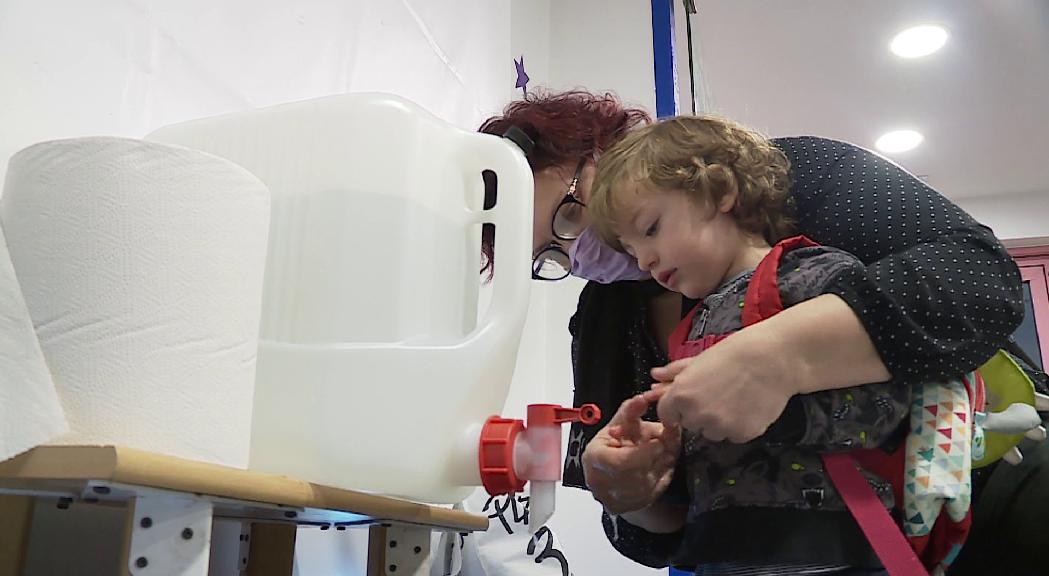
{"x": 931, "y": 471}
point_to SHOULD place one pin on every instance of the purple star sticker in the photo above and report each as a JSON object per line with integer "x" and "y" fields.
{"x": 522, "y": 76}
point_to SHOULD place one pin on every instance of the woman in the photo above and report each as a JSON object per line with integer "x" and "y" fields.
{"x": 938, "y": 296}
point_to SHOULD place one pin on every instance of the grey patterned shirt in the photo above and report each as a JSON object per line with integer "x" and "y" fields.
{"x": 768, "y": 476}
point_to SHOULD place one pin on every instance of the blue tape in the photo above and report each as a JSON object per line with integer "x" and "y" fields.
{"x": 664, "y": 59}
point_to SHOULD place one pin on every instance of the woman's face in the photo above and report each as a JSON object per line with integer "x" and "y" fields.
{"x": 551, "y": 185}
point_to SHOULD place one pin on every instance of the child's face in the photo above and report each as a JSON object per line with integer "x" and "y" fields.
{"x": 686, "y": 246}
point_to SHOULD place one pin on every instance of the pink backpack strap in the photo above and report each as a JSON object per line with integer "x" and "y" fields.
{"x": 762, "y": 299}
{"x": 678, "y": 338}
{"x": 890, "y": 545}
{"x": 888, "y": 541}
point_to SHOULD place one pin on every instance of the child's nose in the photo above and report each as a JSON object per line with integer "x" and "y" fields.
{"x": 646, "y": 260}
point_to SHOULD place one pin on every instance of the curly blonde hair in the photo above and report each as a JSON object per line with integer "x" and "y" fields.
{"x": 705, "y": 157}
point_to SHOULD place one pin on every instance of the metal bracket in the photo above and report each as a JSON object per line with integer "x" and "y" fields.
{"x": 170, "y": 535}
{"x": 407, "y": 551}
{"x": 451, "y": 553}
{"x": 245, "y": 546}
{"x": 229, "y": 547}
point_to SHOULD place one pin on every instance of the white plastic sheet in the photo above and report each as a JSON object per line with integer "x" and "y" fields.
{"x": 89, "y": 67}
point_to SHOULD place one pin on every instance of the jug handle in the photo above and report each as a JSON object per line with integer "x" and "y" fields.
{"x": 512, "y": 217}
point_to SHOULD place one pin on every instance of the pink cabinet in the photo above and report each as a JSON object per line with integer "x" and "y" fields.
{"x": 1033, "y": 333}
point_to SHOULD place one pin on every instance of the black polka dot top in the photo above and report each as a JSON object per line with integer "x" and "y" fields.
{"x": 940, "y": 294}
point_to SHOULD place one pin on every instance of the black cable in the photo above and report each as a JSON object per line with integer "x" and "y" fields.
{"x": 690, "y": 9}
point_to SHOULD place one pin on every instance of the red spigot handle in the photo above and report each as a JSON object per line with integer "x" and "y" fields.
{"x": 554, "y": 415}
{"x": 499, "y": 440}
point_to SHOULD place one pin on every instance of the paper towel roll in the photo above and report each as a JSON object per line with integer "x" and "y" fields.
{"x": 141, "y": 266}
{"x": 29, "y": 410}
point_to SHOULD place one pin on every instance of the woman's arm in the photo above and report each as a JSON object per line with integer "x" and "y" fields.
{"x": 828, "y": 343}
{"x": 940, "y": 308}
{"x": 939, "y": 294}
{"x": 737, "y": 389}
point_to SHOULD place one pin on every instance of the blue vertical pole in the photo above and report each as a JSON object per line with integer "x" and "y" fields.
{"x": 665, "y": 68}
{"x": 664, "y": 60}
{"x": 665, "y": 65}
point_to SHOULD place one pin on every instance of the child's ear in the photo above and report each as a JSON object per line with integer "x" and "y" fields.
{"x": 728, "y": 199}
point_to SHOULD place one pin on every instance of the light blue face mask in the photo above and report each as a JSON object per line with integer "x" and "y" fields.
{"x": 594, "y": 260}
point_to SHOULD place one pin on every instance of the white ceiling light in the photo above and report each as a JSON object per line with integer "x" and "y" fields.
{"x": 898, "y": 141}
{"x": 918, "y": 41}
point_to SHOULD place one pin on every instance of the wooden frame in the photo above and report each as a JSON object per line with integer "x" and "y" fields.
{"x": 273, "y": 505}
{"x": 1033, "y": 261}
{"x": 1036, "y": 277}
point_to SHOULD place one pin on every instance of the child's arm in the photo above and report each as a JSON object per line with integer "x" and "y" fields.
{"x": 821, "y": 419}
{"x": 660, "y": 517}
{"x": 844, "y": 418}
{"x": 859, "y": 417}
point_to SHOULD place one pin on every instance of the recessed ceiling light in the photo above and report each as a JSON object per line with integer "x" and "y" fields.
{"x": 898, "y": 141}
{"x": 918, "y": 41}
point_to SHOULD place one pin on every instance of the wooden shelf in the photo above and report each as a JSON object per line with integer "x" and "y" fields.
{"x": 238, "y": 493}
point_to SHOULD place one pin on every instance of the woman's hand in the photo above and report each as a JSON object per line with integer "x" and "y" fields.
{"x": 738, "y": 388}
{"x": 630, "y": 462}
{"x": 727, "y": 393}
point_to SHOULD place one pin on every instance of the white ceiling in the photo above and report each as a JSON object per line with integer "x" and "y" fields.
{"x": 823, "y": 67}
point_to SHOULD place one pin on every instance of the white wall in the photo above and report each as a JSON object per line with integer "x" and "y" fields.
{"x": 124, "y": 68}
{"x": 530, "y": 37}
{"x": 1012, "y": 216}
{"x": 603, "y": 45}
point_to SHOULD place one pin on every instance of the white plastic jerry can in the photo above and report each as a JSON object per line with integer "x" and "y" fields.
{"x": 374, "y": 372}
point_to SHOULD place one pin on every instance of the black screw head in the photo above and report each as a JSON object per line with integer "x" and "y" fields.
{"x": 141, "y": 562}
{"x": 418, "y": 549}
{"x": 393, "y": 543}
{"x": 187, "y": 533}
{"x": 145, "y": 522}
{"x": 391, "y": 568}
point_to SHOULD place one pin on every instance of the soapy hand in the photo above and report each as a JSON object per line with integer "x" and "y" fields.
{"x": 630, "y": 462}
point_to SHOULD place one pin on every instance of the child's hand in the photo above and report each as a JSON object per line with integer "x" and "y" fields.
{"x": 630, "y": 462}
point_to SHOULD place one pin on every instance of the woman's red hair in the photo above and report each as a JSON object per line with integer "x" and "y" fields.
{"x": 564, "y": 127}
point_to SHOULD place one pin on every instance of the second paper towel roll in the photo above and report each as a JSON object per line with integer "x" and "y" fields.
{"x": 141, "y": 266}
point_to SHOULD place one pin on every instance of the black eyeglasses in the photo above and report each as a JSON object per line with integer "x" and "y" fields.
{"x": 552, "y": 262}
